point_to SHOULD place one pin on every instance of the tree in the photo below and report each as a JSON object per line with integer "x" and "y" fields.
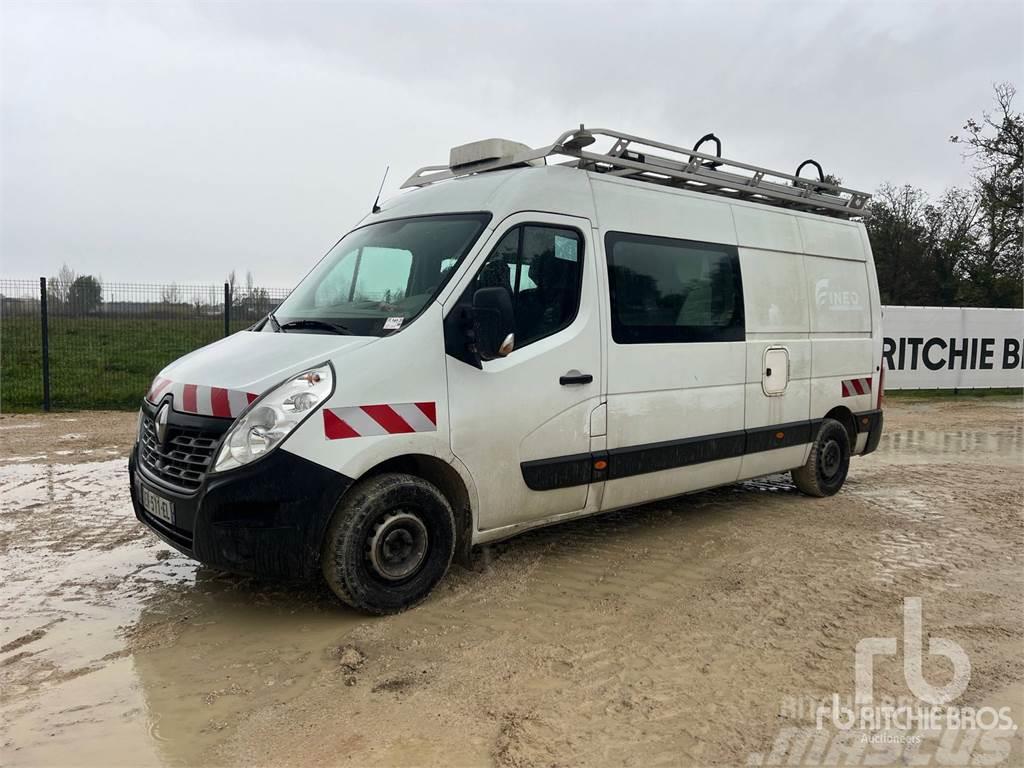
{"x": 58, "y": 286}
{"x": 85, "y": 295}
{"x": 897, "y": 233}
{"x": 951, "y": 232}
{"x": 922, "y": 248}
{"x": 995, "y": 144}
{"x": 170, "y": 294}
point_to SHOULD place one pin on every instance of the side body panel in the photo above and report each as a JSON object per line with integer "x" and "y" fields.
{"x": 778, "y": 325}
{"x": 669, "y": 392}
{"x": 845, "y": 316}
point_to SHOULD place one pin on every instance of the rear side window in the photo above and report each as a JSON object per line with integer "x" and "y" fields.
{"x": 665, "y": 290}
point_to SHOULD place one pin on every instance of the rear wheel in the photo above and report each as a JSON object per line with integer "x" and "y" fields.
{"x": 828, "y": 462}
{"x": 389, "y": 543}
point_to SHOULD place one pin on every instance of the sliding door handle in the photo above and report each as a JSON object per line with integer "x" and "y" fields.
{"x": 575, "y": 377}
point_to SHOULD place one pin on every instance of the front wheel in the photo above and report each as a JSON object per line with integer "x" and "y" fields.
{"x": 828, "y": 462}
{"x": 389, "y": 543}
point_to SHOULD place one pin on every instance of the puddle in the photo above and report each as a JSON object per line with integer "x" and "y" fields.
{"x": 23, "y": 459}
{"x": 1005, "y": 446}
{"x": 111, "y": 637}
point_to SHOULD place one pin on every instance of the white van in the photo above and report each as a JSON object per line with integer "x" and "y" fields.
{"x": 514, "y": 343}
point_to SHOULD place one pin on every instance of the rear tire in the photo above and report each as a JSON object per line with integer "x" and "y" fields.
{"x": 828, "y": 462}
{"x": 389, "y": 543}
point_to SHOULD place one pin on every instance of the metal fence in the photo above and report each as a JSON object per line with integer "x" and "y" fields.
{"x": 99, "y": 345}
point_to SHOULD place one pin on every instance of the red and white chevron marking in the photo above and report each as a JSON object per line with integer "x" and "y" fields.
{"x": 201, "y": 400}
{"x": 388, "y": 419}
{"x": 853, "y": 387}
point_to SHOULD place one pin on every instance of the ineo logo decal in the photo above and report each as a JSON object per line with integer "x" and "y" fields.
{"x": 835, "y": 300}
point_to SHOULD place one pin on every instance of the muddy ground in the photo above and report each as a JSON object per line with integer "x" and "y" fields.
{"x": 687, "y": 632}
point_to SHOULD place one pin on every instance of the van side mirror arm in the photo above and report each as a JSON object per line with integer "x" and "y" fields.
{"x": 460, "y": 338}
{"x": 493, "y": 324}
{"x": 469, "y": 332}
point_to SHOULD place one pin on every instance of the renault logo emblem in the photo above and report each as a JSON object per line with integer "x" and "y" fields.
{"x": 161, "y": 423}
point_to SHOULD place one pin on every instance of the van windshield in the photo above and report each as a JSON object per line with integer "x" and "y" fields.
{"x": 379, "y": 277}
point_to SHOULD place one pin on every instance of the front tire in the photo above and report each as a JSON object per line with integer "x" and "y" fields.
{"x": 389, "y": 543}
{"x": 828, "y": 462}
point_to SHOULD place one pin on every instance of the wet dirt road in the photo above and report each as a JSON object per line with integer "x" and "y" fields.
{"x": 679, "y": 633}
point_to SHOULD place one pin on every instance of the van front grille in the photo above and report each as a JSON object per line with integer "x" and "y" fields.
{"x": 185, "y": 455}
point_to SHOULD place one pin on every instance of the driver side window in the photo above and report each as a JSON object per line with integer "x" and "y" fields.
{"x": 541, "y": 268}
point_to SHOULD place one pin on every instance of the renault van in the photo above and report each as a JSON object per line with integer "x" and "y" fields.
{"x": 526, "y": 336}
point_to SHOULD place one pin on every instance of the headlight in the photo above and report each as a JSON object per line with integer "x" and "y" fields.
{"x": 274, "y": 416}
{"x": 138, "y": 427}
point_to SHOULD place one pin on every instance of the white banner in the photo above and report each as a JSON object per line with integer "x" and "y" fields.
{"x": 952, "y": 347}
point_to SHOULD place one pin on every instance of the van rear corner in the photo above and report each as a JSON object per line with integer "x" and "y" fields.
{"x": 871, "y": 423}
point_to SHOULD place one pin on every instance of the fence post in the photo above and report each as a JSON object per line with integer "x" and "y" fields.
{"x": 44, "y": 322}
{"x": 227, "y": 309}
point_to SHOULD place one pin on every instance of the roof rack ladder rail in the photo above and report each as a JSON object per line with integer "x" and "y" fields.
{"x": 717, "y": 182}
{"x": 699, "y": 172}
{"x": 693, "y": 155}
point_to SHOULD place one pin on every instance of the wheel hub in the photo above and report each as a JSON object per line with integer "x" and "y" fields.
{"x": 831, "y": 458}
{"x": 397, "y": 546}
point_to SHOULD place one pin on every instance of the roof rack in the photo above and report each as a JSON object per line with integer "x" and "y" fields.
{"x": 688, "y": 169}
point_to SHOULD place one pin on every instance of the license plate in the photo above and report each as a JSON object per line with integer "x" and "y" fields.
{"x": 157, "y": 506}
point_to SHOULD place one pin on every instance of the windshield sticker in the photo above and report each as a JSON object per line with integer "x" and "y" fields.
{"x": 393, "y": 323}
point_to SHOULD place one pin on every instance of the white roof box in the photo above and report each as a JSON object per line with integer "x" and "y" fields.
{"x": 486, "y": 150}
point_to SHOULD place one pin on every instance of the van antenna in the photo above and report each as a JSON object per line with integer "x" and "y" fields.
{"x": 376, "y": 203}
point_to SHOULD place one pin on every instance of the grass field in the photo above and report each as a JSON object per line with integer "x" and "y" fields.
{"x": 94, "y": 362}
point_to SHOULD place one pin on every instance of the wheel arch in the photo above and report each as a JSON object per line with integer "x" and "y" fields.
{"x": 448, "y": 480}
{"x": 844, "y": 416}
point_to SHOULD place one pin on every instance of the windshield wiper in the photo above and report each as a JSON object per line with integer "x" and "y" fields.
{"x": 341, "y": 330}
{"x": 273, "y": 323}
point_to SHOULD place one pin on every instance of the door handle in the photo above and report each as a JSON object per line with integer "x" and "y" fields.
{"x": 575, "y": 377}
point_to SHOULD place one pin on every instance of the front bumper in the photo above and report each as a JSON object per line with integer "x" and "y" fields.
{"x": 267, "y": 518}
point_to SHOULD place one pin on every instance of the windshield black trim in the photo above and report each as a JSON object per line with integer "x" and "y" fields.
{"x": 485, "y": 218}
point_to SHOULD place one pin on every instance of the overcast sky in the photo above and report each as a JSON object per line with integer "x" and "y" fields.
{"x": 166, "y": 142}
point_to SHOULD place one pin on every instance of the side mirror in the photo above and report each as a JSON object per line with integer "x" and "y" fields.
{"x": 494, "y": 322}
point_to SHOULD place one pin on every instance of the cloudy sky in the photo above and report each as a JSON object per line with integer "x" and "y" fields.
{"x": 157, "y": 142}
